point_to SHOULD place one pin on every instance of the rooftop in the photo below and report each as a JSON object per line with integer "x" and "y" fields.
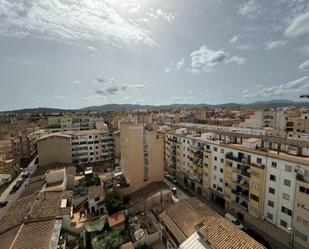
{"x": 147, "y": 192}
{"x": 95, "y": 191}
{"x": 51, "y": 135}
{"x": 182, "y": 217}
{"x": 221, "y": 234}
{"x": 116, "y": 219}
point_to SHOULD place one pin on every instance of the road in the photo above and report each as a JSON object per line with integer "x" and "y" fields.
{"x": 180, "y": 193}
{"x": 10, "y": 198}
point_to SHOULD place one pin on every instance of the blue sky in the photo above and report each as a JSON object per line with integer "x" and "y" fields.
{"x": 77, "y": 53}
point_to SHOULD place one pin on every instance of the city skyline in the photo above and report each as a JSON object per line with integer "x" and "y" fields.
{"x": 72, "y": 54}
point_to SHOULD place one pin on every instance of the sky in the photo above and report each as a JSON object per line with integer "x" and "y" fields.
{"x": 79, "y": 53}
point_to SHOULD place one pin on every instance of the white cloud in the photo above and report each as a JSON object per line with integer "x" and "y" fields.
{"x": 207, "y": 60}
{"x": 77, "y": 82}
{"x": 59, "y": 96}
{"x": 245, "y": 46}
{"x": 167, "y": 70}
{"x": 304, "y": 66}
{"x": 74, "y": 20}
{"x": 249, "y": 9}
{"x": 274, "y": 44}
{"x": 234, "y": 39}
{"x": 299, "y": 26}
{"x": 180, "y": 64}
{"x": 159, "y": 13}
{"x": 288, "y": 89}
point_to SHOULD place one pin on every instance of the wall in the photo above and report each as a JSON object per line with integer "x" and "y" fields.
{"x": 54, "y": 149}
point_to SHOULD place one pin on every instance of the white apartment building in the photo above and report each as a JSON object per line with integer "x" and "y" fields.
{"x": 92, "y": 146}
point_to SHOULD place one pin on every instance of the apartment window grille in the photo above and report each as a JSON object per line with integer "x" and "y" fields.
{"x": 286, "y": 211}
{"x": 283, "y": 223}
{"x": 286, "y": 196}
{"x": 270, "y": 216}
{"x": 287, "y": 182}
{"x": 271, "y": 203}
{"x": 288, "y": 168}
{"x": 272, "y": 178}
{"x": 301, "y": 235}
{"x": 271, "y": 190}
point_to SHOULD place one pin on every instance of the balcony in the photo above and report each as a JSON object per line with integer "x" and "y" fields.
{"x": 231, "y": 157}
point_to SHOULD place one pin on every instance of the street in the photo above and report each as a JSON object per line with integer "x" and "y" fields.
{"x": 10, "y": 198}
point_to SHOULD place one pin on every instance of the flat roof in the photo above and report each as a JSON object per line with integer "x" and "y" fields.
{"x": 116, "y": 219}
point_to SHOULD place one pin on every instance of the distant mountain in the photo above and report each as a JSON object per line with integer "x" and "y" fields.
{"x": 120, "y": 107}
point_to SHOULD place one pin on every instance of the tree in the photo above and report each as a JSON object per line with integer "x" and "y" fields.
{"x": 143, "y": 246}
{"x": 110, "y": 240}
{"x": 114, "y": 202}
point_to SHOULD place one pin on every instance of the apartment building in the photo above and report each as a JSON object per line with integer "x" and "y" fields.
{"x": 92, "y": 146}
{"x": 300, "y": 227}
{"x": 142, "y": 159}
{"x": 77, "y": 147}
{"x": 74, "y": 122}
{"x": 248, "y": 176}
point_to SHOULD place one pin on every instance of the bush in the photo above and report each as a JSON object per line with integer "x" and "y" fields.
{"x": 114, "y": 202}
{"x": 110, "y": 240}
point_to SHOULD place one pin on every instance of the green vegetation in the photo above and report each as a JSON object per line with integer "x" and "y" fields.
{"x": 92, "y": 180}
{"x": 144, "y": 246}
{"x": 81, "y": 189}
{"x": 114, "y": 202}
{"x": 110, "y": 240}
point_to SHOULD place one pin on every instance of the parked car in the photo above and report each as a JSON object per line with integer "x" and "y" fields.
{"x": 26, "y": 175}
{"x": 3, "y": 204}
{"x": 234, "y": 221}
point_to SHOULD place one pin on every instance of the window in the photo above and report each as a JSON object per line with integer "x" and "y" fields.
{"x": 274, "y": 164}
{"x": 302, "y": 189}
{"x": 215, "y": 158}
{"x": 259, "y": 160}
{"x": 283, "y": 223}
{"x": 272, "y": 178}
{"x": 271, "y": 203}
{"x": 215, "y": 149}
{"x": 287, "y": 182}
{"x": 221, "y": 170}
{"x": 270, "y": 216}
{"x": 288, "y": 168}
{"x": 215, "y": 167}
{"x": 221, "y": 180}
{"x": 286, "y": 211}
{"x": 286, "y": 196}
{"x": 299, "y": 219}
{"x": 271, "y": 190}
{"x": 301, "y": 235}
{"x": 222, "y": 151}
{"x": 97, "y": 199}
{"x": 254, "y": 197}
{"x": 222, "y": 160}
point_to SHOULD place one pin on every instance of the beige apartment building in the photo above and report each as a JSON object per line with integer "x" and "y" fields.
{"x": 301, "y": 211}
{"x": 142, "y": 159}
{"x": 252, "y": 178}
{"x": 54, "y": 148}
